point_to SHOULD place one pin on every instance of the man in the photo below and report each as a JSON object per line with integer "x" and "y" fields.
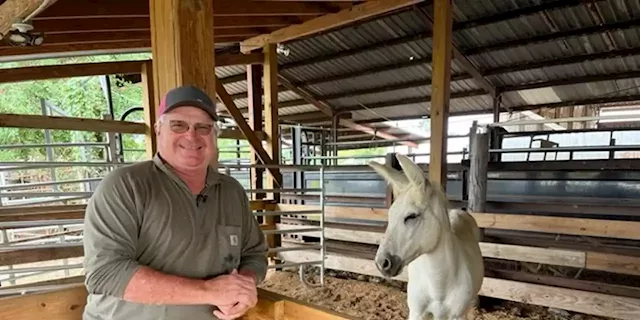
{"x": 171, "y": 238}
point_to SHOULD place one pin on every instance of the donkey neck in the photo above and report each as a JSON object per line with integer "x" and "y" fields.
{"x": 440, "y": 209}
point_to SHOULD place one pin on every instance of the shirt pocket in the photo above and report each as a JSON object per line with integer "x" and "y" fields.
{"x": 230, "y": 248}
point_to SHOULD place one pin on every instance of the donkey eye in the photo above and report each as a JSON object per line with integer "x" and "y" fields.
{"x": 410, "y": 217}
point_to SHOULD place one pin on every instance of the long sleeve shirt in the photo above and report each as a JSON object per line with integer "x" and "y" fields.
{"x": 144, "y": 214}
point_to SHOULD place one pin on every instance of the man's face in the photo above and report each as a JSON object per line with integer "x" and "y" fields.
{"x": 187, "y": 138}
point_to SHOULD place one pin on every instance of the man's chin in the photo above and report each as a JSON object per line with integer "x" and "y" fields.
{"x": 191, "y": 161}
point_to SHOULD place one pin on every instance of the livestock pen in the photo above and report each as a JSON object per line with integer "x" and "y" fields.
{"x": 309, "y": 91}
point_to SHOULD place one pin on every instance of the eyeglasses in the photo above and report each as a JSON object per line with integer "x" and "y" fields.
{"x": 179, "y": 126}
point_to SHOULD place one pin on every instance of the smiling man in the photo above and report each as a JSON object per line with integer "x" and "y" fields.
{"x": 171, "y": 238}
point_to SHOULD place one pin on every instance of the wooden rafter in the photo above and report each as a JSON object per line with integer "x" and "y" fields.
{"x": 81, "y": 9}
{"x": 16, "y": 53}
{"x": 327, "y": 110}
{"x": 221, "y": 35}
{"x": 327, "y": 22}
{"x": 52, "y": 26}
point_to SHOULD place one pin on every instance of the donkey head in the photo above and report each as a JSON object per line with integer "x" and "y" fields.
{"x": 415, "y": 217}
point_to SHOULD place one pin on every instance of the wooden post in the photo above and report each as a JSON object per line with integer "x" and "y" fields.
{"x": 440, "y": 91}
{"x": 182, "y": 45}
{"x": 479, "y": 162}
{"x": 496, "y": 108}
{"x": 254, "y": 86}
{"x": 271, "y": 124}
{"x": 149, "y": 106}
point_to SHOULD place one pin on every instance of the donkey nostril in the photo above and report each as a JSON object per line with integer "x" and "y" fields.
{"x": 386, "y": 264}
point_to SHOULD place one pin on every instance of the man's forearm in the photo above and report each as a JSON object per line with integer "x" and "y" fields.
{"x": 257, "y": 264}
{"x": 149, "y": 286}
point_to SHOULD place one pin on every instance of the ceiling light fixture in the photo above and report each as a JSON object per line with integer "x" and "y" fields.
{"x": 281, "y": 49}
{"x": 20, "y": 35}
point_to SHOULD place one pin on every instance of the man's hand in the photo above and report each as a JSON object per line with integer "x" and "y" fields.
{"x": 228, "y": 290}
{"x": 243, "y": 302}
{"x": 231, "y": 312}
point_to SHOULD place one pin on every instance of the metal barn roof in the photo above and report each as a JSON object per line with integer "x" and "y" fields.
{"x": 537, "y": 53}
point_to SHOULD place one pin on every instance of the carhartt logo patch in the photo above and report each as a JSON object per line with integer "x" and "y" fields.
{"x": 233, "y": 239}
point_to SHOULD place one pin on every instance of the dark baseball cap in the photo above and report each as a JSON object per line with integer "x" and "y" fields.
{"x": 188, "y": 96}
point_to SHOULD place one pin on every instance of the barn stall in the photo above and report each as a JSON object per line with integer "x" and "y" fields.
{"x": 547, "y": 168}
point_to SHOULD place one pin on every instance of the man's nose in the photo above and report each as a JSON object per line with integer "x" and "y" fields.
{"x": 191, "y": 133}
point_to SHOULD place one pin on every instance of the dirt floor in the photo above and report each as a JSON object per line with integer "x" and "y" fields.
{"x": 372, "y": 298}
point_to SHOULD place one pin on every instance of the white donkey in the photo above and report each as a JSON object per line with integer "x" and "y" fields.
{"x": 440, "y": 246}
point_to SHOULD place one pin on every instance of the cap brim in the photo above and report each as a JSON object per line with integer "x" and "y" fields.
{"x": 197, "y": 104}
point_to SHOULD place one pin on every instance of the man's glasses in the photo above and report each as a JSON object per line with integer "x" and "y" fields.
{"x": 179, "y": 126}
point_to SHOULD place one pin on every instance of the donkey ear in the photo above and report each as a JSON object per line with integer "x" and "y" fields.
{"x": 394, "y": 177}
{"x": 412, "y": 171}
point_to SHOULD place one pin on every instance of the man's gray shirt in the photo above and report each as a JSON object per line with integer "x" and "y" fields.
{"x": 143, "y": 214}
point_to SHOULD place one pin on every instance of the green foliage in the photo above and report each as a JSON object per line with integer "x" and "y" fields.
{"x": 82, "y": 97}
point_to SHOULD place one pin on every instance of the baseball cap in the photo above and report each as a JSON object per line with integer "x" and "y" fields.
{"x": 188, "y": 96}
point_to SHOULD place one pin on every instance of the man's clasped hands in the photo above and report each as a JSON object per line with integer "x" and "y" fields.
{"x": 236, "y": 293}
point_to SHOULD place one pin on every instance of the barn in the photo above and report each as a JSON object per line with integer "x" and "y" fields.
{"x": 524, "y": 113}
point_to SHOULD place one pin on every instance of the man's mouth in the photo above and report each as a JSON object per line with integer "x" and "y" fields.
{"x": 191, "y": 148}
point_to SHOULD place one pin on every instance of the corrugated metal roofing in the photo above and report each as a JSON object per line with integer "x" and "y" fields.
{"x": 411, "y": 23}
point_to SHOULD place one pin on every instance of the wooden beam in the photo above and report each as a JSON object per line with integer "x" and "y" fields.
{"x": 11, "y": 10}
{"x": 69, "y": 70}
{"x": 19, "y": 53}
{"x": 255, "y": 143}
{"x": 272, "y": 129}
{"x": 80, "y": 9}
{"x": 53, "y": 26}
{"x": 149, "y": 99}
{"x": 244, "y": 8}
{"x": 222, "y": 35}
{"x": 39, "y": 216}
{"x": 254, "y": 102}
{"x": 21, "y": 256}
{"x": 236, "y": 59}
{"x": 599, "y": 304}
{"x": 271, "y": 120}
{"x": 92, "y": 37}
{"x": 59, "y": 304}
{"x": 440, "y": 90}
{"x": 69, "y": 123}
{"x": 183, "y": 47}
{"x": 326, "y": 22}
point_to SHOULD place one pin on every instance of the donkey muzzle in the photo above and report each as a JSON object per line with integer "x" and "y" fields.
{"x": 389, "y": 265}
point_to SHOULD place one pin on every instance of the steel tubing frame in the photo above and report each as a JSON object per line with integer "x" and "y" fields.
{"x": 321, "y": 212}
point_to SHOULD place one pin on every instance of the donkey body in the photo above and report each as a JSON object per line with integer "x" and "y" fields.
{"x": 439, "y": 246}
